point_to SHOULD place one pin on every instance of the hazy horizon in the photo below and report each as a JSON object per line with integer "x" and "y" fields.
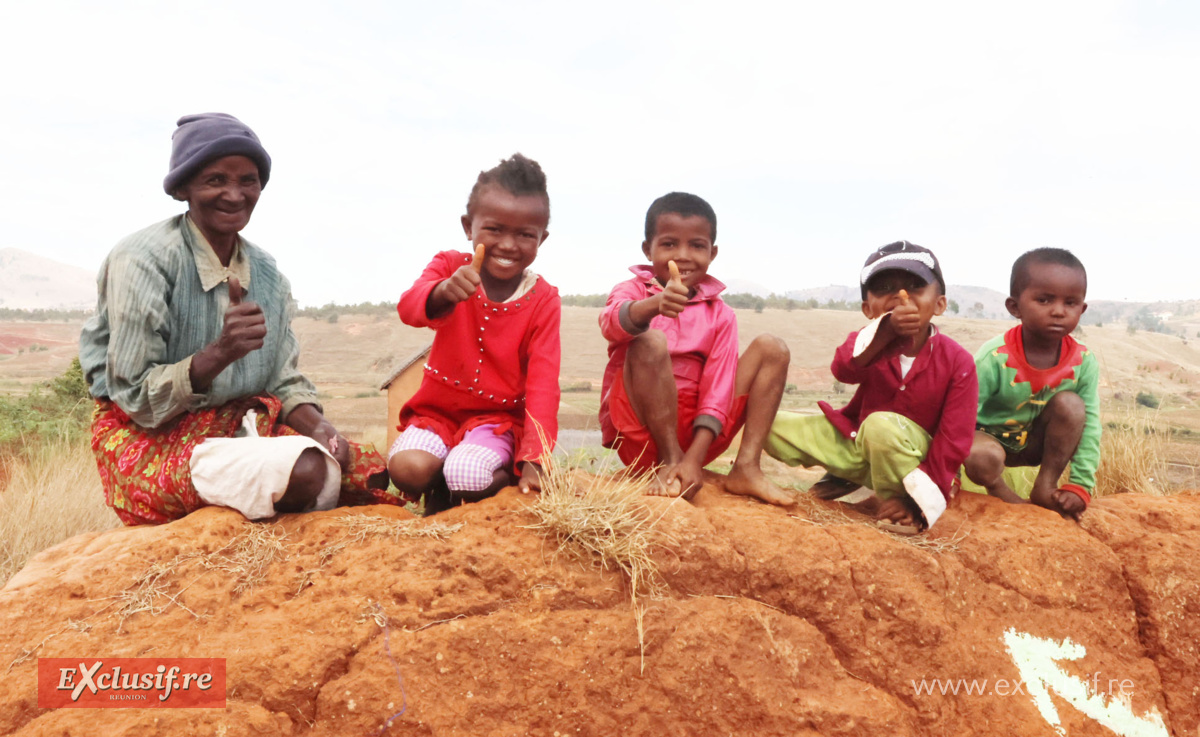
{"x": 817, "y": 131}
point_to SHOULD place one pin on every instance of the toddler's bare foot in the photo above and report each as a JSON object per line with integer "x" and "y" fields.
{"x": 1068, "y": 505}
{"x": 753, "y": 482}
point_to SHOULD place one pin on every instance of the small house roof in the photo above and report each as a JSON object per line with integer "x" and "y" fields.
{"x": 420, "y": 354}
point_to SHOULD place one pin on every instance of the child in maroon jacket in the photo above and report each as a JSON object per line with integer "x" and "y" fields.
{"x": 487, "y": 406}
{"x": 911, "y": 422}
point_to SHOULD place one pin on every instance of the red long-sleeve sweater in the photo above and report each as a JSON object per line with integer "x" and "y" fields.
{"x": 491, "y": 362}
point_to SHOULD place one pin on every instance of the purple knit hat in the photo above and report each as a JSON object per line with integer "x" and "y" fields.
{"x": 201, "y": 138}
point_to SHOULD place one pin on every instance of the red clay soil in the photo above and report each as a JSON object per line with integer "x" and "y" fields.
{"x": 771, "y": 624}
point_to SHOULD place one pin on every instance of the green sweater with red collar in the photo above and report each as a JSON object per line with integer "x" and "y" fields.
{"x": 1012, "y": 394}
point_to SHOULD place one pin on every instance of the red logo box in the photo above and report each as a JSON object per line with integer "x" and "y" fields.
{"x": 131, "y": 683}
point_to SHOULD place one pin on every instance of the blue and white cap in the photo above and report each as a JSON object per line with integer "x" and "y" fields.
{"x": 904, "y": 256}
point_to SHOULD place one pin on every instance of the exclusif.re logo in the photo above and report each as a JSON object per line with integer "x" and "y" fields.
{"x": 131, "y": 683}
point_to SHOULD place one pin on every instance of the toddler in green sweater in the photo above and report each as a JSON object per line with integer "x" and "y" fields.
{"x": 1039, "y": 402}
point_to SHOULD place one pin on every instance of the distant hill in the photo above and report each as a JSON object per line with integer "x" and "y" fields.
{"x": 31, "y": 282}
{"x": 744, "y": 286}
{"x": 979, "y": 302}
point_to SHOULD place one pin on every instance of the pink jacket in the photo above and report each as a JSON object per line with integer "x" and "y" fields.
{"x": 703, "y": 343}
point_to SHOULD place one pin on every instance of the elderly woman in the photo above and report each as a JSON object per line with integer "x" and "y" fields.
{"x": 192, "y": 360}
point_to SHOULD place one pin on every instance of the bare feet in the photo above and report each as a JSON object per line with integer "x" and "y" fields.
{"x": 1069, "y": 505}
{"x": 868, "y": 506}
{"x": 683, "y": 478}
{"x": 1065, "y": 503}
{"x": 753, "y": 482}
{"x": 900, "y": 514}
{"x": 665, "y": 485}
{"x": 830, "y": 487}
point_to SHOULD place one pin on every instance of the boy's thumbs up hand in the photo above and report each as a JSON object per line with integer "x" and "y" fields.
{"x": 674, "y": 295}
{"x": 906, "y": 318}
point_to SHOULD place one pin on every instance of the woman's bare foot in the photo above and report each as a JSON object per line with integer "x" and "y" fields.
{"x": 753, "y": 482}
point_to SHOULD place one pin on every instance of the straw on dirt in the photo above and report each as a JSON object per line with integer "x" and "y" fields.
{"x": 605, "y": 518}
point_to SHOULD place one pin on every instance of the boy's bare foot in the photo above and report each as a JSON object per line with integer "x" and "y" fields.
{"x": 753, "y": 482}
{"x": 900, "y": 515}
{"x": 830, "y": 487}
{"x": 869, "y": 506}
{"x": 670, "y": 488}
{"x": 666, "y": 483}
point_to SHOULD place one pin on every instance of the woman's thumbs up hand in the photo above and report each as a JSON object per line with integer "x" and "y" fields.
{"x": 245, "y": 326}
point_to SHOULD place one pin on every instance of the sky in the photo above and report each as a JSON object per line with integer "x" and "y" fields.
{"x": 818, "y": 131}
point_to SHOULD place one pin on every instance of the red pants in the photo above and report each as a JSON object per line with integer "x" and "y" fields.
{"x": 636, "y": 448}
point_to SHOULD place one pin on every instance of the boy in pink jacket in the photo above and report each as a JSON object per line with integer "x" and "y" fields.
{"x": 675, "y": 391}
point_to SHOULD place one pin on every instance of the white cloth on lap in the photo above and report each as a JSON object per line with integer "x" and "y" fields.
{"x": 250, "y": 473}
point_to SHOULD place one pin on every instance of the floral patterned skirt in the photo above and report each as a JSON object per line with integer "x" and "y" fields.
{"x": 147, "y": 475}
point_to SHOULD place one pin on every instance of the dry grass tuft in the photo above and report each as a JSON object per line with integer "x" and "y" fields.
{"x": 150, "y": 593}
{"x": 248, "y": 556}
{"x": 51, "y": 495}
{"x": 935, "y": 545}
{"x": 821, "y": 513}
{"x": 827, "y": 514}
{"x": 359, "y": 528}
{"x": 605, "y": 519}
{"x": 1133, "y": 456}
{"x": 245, "y": 559}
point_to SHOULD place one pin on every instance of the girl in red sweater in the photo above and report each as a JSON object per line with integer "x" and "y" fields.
{"x": 488, "y": 403}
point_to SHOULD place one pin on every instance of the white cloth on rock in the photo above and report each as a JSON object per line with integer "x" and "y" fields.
{"x": 250, "y": 473}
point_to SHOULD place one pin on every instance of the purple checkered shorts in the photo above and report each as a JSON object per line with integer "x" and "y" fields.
{"x": 418, "y": 438}
{"x": 472, "y": 464}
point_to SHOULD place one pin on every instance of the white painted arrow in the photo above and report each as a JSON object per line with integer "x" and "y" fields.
{"x": 1036, "y": 660}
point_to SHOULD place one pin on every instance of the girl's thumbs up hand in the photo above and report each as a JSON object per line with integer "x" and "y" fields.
{"x": 674, "y": 295}
{"x": 463, "y": 282}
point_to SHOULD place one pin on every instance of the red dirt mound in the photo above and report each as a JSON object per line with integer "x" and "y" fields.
{"x": 771, "y": 623}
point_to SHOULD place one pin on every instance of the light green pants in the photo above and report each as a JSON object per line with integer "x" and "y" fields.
{"x": 1019, "y": 478}
{"x": 886, "y": 448}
